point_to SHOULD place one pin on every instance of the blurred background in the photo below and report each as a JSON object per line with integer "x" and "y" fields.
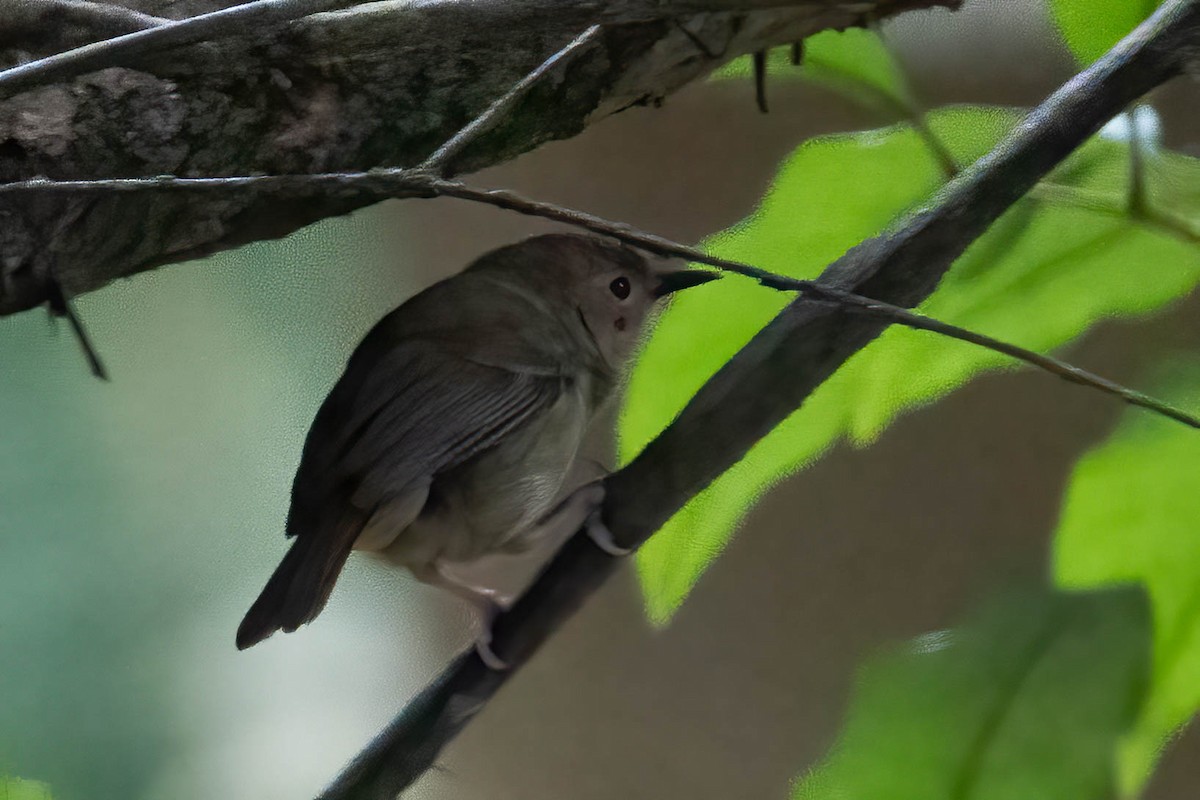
{"x": 138, "y": 519}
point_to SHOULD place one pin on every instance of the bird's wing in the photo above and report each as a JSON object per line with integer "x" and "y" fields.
{"x": 398, "y": 417}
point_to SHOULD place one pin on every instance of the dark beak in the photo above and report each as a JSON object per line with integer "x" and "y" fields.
{"x": 669, "y": 282}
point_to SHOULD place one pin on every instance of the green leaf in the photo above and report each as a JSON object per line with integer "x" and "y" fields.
{"x": 1039, "y": 278}
{"x": 1130, "y": 514}
{"x": 1027, "y": 700}
{"x": 854, "y": 61}
{"x": 1091, "y": 27}
{"x": 19, "y": 789}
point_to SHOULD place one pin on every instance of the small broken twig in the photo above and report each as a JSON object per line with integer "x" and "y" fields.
{"x": 60, "y": 306}
{"x": 760, "y": 79}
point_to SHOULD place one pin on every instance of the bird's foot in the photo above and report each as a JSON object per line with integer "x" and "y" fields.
{"x": 486, "y": 615}
{"x": 602, "y": 537}
{"x": 484, "y": 602}
{"x": 487, "y": 607}
{"x": 585, "y": 503}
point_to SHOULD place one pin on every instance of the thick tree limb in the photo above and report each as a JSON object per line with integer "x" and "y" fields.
{"x": 68, "y": 23}
{"x": 382, "y": 84}
{"x": 154, "y": 39}
{"x": 770, "y": 378}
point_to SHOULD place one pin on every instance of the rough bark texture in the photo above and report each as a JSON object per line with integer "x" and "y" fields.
{"x": 378, "y": 85}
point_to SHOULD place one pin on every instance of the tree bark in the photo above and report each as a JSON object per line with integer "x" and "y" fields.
{"x": 377, "y": 85}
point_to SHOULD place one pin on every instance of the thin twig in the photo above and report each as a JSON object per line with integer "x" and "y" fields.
{"x": 909, "y": 106}
{"x": 914, "y": 110}
{"x": 915, "y": 117}
{"x": 439, "y": 161}
{"x": 1138, "y": 201}
{"x": 120, "y": 50}
{"x": 767, "y": 380}
{"x": 665, "y": 247}
{"x": 1054, "y": 366}
{"x": 1175, "y": 224}
{"x": 760, "y": 79}
{"x": 904, "y": 106}
{"x": 701, "y": 45}
{"x": 60, "y": 306}
{"x": 1159, "y": 219}
{"x": 417, "y": 182}
{"x": 341, "y": 50}
{"x": 906, "y": 110}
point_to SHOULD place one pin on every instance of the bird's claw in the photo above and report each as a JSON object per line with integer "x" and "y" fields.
{"x": 599, "y": 533}
{"x": 487, "y": 610}
{"x": 587, "y": 502}
{"x": 483, "y": 647}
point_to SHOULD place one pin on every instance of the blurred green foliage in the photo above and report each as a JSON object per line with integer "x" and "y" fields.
{"x": 150, "y": 508}
{"x": 1027, "y": 699}
{"x": 1091, "y": 27}
{"x": 1042, "y": 275}
{"x": 1042, "y": 694}
{"x": 1130, "y": 514}
{"x": 20, "y": 789}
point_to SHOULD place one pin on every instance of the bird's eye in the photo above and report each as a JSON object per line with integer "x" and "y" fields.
{"x": 620, "y": 288}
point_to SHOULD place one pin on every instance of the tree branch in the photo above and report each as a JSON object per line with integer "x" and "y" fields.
{"x": 98, "y": 20}
{"x": 123, "y": 50}
{"x": 418, "y": 182}
{"x": 751, "y": 393}
{"x": 439, "y": 161}
{"x": 379, "y": 84}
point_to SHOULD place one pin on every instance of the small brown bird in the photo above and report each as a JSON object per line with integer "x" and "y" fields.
{"x": 448, "y": 436}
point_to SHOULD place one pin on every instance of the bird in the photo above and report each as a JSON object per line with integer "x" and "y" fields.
{"x": 449, "y": 433}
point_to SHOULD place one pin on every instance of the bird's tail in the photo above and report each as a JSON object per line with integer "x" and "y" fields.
{"x": 300, "y": 585}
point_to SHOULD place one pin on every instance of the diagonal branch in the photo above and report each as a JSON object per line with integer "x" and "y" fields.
{"x": 404, "y": 183}
{"x": 439, "y": 161}
{"x": 769, "y": 379}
